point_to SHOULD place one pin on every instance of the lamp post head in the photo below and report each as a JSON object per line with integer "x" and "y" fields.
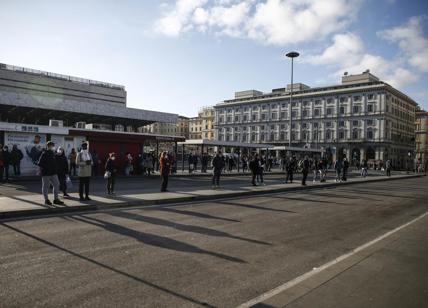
{"x": 292, "y": 54}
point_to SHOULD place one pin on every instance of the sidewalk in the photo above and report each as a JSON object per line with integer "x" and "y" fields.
{"x": 32, "y": 204}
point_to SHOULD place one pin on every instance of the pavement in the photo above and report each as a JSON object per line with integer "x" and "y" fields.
{"x": 227, "y": 252}
{"x": 17, "y": 200}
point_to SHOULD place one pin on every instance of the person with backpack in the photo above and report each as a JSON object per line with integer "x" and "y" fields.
{"x": 49, "y": 173}
{"x": 84, "y": 163}
{"x": 305, "y": 169}
{"x": 62, "y": 170}
{"x": 345, "y": 169}
{"x": 217, "y": 165}
{"x": 15, "y": 157}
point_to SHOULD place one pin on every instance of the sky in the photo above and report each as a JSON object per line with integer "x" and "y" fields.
{"x": 181, "y": 55}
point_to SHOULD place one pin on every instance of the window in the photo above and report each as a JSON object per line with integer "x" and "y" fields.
{"x": 283, "y": 115}
{"x": 329, "y": 111}
{"x": 370, "y": 96}
{"x": 293, "y": 125}
{"x": 294, "y": 114}
{"x": 341, "y": 123}
{"x": 236, "y": 118}
{"x": 305, "y": 103}
{"x": 254, "y": 117}
{"x": 354, "y": 123}
{"x": 304, "y": 125}
{"x": 245, "y": 118}
{"x": 284, "y": 105}
{"x": 272, "y": 127}
{"x": 274, "y": 115}
{"x": 355, "y": 134}
{"x": 356, "y": 109}
{"x": 262, "y": 127}
{"x": 369, "y": 122}
{"x": 369, "y": 134}
{"x": 293, "y": 104}
{"x": 329, "y": 100}
{"x": 343, "y": 99}
{"x": 264, "y": 107}
{"x": 328, "y": 124}
{"x": 357, "y": 98}
{"x": 318, "y": 102}
{"x": 263, "y": 116}
{"x": 229, "y": 119}
{"x": 282, "y": 126}
{"x": 255, "y": 108}
{"x": 317, "y": 112}
{"x": 342, "y": 110}
{"x": 341, "y": 135}
{"x": 328, "y": 135}
{"x": 315, "y": 125}
{"x": 370, "y": 108}
{"x": 305, "y": 113}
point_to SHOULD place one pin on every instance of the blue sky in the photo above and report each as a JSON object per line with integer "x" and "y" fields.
{"x": 178, "y": 56}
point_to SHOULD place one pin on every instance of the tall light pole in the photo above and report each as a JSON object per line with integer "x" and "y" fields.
{"x": 292, "y": 55}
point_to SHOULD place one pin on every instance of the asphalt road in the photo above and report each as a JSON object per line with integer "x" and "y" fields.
{"x": 217, "y": 254}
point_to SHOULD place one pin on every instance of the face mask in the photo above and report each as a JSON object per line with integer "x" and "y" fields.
{"x": 113, "y": 158}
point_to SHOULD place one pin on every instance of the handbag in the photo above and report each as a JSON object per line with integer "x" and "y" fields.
{"x": 68, "y": 183}
{"x": 107, "y": 174}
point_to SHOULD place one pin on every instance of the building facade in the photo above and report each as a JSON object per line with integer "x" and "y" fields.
{"x": 202, "y": 126}
{"x": 362, "y": 118}
{"x": 421, "y": 154}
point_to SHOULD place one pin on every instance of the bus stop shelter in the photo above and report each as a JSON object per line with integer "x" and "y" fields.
{"x": 205, "y": 143}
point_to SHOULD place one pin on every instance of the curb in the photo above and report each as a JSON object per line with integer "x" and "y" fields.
{"x": 95, "y": 207}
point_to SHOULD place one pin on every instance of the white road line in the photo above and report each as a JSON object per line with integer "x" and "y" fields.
{"x": 297, "y": 280}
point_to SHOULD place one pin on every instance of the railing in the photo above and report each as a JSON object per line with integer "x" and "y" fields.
{"x": 60, "y": 76}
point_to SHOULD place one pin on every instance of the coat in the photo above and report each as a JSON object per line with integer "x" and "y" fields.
{"x": 47, "y": 163}
{"x": 164, "y": 165}
{"x": 16, "y": 156}
{"x": 85, "y": 169}
{"x": 217, "y": 163}
{"x": 61, "y": 164}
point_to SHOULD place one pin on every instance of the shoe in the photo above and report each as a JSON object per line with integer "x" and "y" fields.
{"x": 47, "y": 202}
{"x": 81, "y": 199}
{"x": 58, "y": 202}
{"x": 113, "y": 193}
{"x": 66, "y": 195}
{"x": 254, "y": 184}
{"x": 88, "y": 199}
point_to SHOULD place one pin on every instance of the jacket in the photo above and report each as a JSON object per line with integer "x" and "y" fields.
{"x": 85, "y": 169}
{"x": 164, "y": 165}
{"x": 61, "y": 164}
{"x": 16, "y": 156}
{"x": 47, "y": 163}
{"x": 217, "y": 163}
{"x": 111, "y": 166}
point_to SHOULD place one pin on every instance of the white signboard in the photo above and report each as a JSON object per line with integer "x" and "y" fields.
{"x": 31, "y": 146}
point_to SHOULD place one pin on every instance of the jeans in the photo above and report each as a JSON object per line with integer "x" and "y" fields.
{"x": 73, "y": 169}
{"x": 289, "y": 177}
{"x": 253, "y": 177}
{"x": 17, "y": 169}
{"x": 84, "y": 187}
{"x": 47, "y": 180}
{"x": 216, "y": 178}
{"x": 62, "y": 183}
{"x": 305, "y": 176}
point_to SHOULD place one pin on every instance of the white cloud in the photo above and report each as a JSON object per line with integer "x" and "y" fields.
{"x": 347, "y": 54}
{"x": 411, "y": 41}
{"x": 277, "y": 22}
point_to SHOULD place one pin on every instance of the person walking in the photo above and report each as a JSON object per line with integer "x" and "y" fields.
{"x": 129, "y": 165}
{"x": 316, "y": 169}
{"x": 6, "y": 162}
{"x": 96, "y": 163}
{"x": 204, "y": 162}
{"x": 49, "y": 173}
{"x": 62, "y": 170}
{"x": 345, "y": 169}
{"x": 84, "y": 162}
{"x": 16, "y": 156}
{"x": 148, "y": 164}
{"x": 72, "y": 158}
{"x": 110, "y": 173}
{"x": 254, "y": 166}
{"x": 217, "y": 165}
{"x": 261, "y": 165}
{"x": 305, "y": 169}
{"x": 165, "y": 169}
{"x": 338, "y": 167}
{"x": 388, "y": 167}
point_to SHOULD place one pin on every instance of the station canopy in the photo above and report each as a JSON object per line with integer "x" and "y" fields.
{"x": 230, "y": 144}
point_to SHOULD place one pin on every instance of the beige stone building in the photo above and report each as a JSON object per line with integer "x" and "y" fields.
{"x": 421, "y": 155}
{"x": 362, "y": 118}
{"x": 202, "y": 126}
{"x": 179, "y": 128}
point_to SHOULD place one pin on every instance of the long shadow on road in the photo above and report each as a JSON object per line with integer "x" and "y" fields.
{"x": 108, "y": 267}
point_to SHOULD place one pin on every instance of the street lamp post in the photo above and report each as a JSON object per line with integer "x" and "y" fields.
{"x": 292, "y": 55}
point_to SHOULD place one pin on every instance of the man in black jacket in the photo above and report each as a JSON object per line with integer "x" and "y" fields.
{"x": 254, "y": 167}
{"x": 218, "y": 165}
{"x": 305, "y": 169}
{"x": 49, "y": 173}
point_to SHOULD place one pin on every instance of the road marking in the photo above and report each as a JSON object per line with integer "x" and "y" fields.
{"x": 269, "y": 294}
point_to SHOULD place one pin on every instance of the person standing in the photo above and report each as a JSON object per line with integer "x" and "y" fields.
{"x": 165, "y": 169}
{"x": 16, "y": 156}
{"x": 364, "y": 168}
{"x": 62, "y": 169}
{"x": 111, "y": 170}
{"x": 289, "y": 169}
{"x": 338, "y": 166}
{"x": 72, "y": 159}
{"x": 388, "y": 168}
{"x": 305, "y": 169}
{"x": 316, "y": 169}
{"x": 254, "y": 165}
{"x": 260, "y": 169}
{"x": 84, "y": 163}
{"x": 49, "y": 173}
{"x": 96, "y": 162}
{"x": 218, "y": 165}
{"x": 6, "y": 162}
{"x": 345, "y": 169}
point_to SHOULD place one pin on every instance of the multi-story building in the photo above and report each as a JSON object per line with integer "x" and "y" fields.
{"x": 179, "y": 128}
{"x": 422, "y": 138}
{"x": 183, "y": 127}
{"x": 202, "y": 126}
{"x": 363, "y": 118}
